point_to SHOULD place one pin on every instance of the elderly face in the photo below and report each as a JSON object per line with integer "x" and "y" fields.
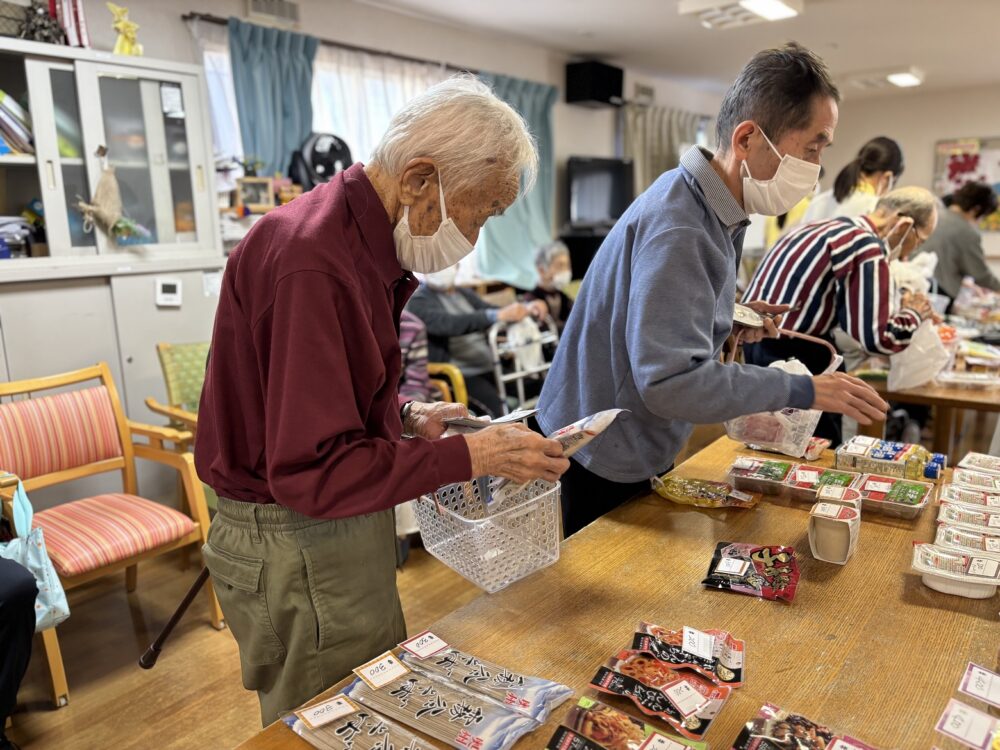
{"x": 806, "y": 143}
{"x": 559, "y": 264}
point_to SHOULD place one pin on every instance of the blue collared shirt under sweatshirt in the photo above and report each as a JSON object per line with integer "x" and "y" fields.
{"x": 648, "y": 326}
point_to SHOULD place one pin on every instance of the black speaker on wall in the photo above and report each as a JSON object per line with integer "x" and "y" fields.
{"x": 594, "y": 84}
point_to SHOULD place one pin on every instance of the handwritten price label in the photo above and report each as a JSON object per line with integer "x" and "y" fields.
{"x": 967, "y": 725}
{"x": 981, "y": 683}
{"x": 699, "y": 643}
{"x": 327, "y": 711}
{"x": 685, "y": 698}
{"x": 381, "y": 670}
{"x": 424, "y": 645}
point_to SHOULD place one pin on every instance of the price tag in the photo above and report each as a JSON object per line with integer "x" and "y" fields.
{"x": 745, "y": 497}
{"x": 732, "y": 566}
{"x": 828, "y": 510}
{"x": 992, "y": 544}
{"x": 981, "y": 566}
{"x": 856, "y": 450}
{"x": 381, "y": 670}
{"x": 424, "y": 645}
{"x": 327, "y": 711}
{"x": 994, "y": 521}
{"x": 807, "y": 476}
{"x": 831, "y": 492}
{"x": 873, "y": 485}
{"x": 699, "y": 643}
{"x": 967, "y": 725}
{"x": 981, "y": 683}
{"x": 685, "y": 698}
{"x": 863, "y": 440}
{"x": 657, "y": 741}
{"x": 744, "y": 463}
{"x": 993, "y": 501}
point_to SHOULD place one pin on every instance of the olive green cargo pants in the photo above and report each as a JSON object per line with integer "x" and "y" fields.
{"x": 307, "y": 599}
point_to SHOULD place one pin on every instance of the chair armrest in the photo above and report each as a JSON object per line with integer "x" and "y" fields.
{"x": 188, "y": 418}
{"x": 159, "y": 434}
{"x": 454, "y": 376}
{"x": 184, "y": 464}
{"x": 8, "y": 480}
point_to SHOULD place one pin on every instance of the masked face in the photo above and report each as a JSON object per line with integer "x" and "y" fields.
{"x": 794, "y": 180}
{"x": 900, "y": 231}
{"x": 434, "y": 252}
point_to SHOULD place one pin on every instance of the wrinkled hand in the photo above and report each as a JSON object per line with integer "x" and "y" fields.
{"x": 515, "y": 452}
{"x": 427, "y": 420}
{"x": 843, "y": 394}
{"x": 919, "y": 303}
{"x": 512, "y": 313}
{"x": 773, "y": 315}
{"x": 538, "y": 309}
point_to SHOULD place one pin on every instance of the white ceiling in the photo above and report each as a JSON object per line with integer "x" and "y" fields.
{"x": 955, "y": 42}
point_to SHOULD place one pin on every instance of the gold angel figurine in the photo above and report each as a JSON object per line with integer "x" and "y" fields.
{"x": 126, "y": 43}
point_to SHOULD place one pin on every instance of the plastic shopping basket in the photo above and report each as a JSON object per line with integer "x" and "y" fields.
{"x": 492, "y": 542}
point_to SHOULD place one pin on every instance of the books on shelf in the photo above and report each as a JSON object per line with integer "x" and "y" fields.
{"x": 15, "y": 125}
{"x": 70, "y": 16}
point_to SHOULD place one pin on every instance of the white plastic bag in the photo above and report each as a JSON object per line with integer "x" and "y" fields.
{"x": 524, "y": 337}
{"x": 920, "y": 362}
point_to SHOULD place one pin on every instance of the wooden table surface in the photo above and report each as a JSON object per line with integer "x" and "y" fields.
{"x": 865, "y": 648}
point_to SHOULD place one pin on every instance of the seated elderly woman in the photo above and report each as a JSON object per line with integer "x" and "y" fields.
{"x": 457, "y": 321}
{"x": 554, "y": 275}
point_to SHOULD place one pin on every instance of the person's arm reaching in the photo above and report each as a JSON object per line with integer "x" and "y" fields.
{"x": 865, "y": 314}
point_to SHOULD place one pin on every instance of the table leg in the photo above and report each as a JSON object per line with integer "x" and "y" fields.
{"x": 944, "y": 430}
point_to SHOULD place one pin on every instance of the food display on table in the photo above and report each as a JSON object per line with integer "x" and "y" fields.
{"x": 601, "y": 726}
{"x": 804, "y": 481}
{"x": 770, "y": 572}
{"x": 676, "y": 647}
{"x": 701, "y": 493}
{"x": 360, "y": 730}
{"x": 764, "y": 475}
{"x": 903, "y": 498}
{"x": 903, "y": 460}
{"x": 777, "y": 729}
{"x": 953, "y": 572}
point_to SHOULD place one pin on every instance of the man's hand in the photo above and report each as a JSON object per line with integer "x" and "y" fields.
{"x": 772, "y": 315}
{"x": 538, "y": 309}
{"x": 843, "y": 394}
{"x": 515, "y": 452}
{"x": 427, "y": 420}
{"x": 919, "y": 303}
{"x": 512, "y": 313}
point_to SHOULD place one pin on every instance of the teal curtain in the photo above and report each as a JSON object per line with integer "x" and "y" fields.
{"x": 507, "y": 244}
{"x": 272, "y": 79}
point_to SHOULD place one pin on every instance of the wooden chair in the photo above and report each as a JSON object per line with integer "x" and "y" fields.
{"x": 51, "y": 439}
{"x": 448, "y": 379}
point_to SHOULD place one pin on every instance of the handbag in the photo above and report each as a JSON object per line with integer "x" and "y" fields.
{"x": 27, "y": 548}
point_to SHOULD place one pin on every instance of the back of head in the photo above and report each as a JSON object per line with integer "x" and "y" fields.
{"x": 880, "y": 154}
{"x": 465, "y": 129}
{"x": 976, "y": 197}
{"x": 915, "y": 202}
{"x": 776, "y": 90}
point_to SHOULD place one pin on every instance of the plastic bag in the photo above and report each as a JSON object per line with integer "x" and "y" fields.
{"x": 920, "y": 362}
{"x": 524, "y": 337}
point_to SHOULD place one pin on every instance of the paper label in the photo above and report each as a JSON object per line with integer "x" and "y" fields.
{"x": 831, "y": 492}
{"x": 863, "y": 440}
{"x": 657, "y": 741}
{"x": 744, "y": 463}
{"x": 994, "y": 521}
{"x": 171, "y": 101}
{"x": 982, "y": 566}
{"x": 829, "y": 510}
{"x": 981, "y": 683}
{"x": 967, "y": 725}
{"x": 745, "y": 497}
{"x": 424, "y": 645}
{"x": 809, "y": 476}
{"x": 698, "y": 643}
{"x": 873, "y": 485}
{"x": 732, "y": 565}
{"x": 992, "y": 544}
{"x": 993, "y": 501}
{"x": 327, "y": 711}
{"x": 211, "y": 283}
{"x": 685, "y": 698}
{"x": 381, "y": 670}
{"x": 856, "y": 450}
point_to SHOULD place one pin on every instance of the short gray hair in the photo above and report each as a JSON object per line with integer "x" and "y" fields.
{"x": 464, "y": 128}
{"x": 915, "y": 202}
{"x": 547, "y": 253}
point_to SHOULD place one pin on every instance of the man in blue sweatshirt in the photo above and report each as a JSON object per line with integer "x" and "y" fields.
{"x": 656, "y": 305}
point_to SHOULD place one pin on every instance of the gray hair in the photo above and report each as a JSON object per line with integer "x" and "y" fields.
{"x": 547, "y": 253}
{"x": 464, "y": 128}
{"x": 914, "y": 202}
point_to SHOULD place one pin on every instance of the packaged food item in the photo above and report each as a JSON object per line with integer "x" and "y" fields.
{"x": 457, "y": 717}
{"x": 954, "y": 493}
{"x": 727, "y": 653}
{"x": 980, "y": 462}
{"x": 833, "y": 532}
{"x": 814, "y": 448}
{"x": 770, "y": 572}
{"x": 362, "y": 730}
{"x": 777, "y": 729}
{"x": 763, "y": 475}
{"x": 849, "y": 497}
{"x": 978, "y": 519}
{"x": 603, "y": 726}
{"x": 952, "y": 572}
{"x": 976, "y": 480}
{"x": 903, "y": 498}
{"x": 977, "y": 380}
{"x": 804, "y": 481}
{"x": 532, "y": 696}
{"x": 701, "y": 493}
{"x": 685, "y": 700}
{"x": 889, "y": 458}
{"x": 967, "y": 540}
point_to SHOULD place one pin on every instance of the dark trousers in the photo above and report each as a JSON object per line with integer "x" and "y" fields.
{"x": 586, "y": 496}
{"x": 813, "y": 356}
{"x": 17, "y": 626}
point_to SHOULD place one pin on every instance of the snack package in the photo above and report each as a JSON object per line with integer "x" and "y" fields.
{"x": 777, "y": 729}
{"x": 701, "y": 493}
{"x": 981, "y": 462}
{"x": 725, "y": 667}
{"x": 602, "y": 726}
{"x": 804, "y": 481}
{"x": 363, "y": 730}
{"x": 767, "y": 572}
{"x": 532, "y": 696}
{"x": 763, "y": 475}
{"x": 929, "y": 558}
{"x": 685, "y": 700}
{"x": 953, "y": 493}
{"x": 904, "y": 498}
{"x": 976, "y": 480}
{"x": 967, "y": 540}
{"x": 978, "y": 519}
{"x": 457, "y": 717}
{"x": 889, "y": 458}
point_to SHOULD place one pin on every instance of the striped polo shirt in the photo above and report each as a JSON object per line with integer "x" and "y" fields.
{"x": 835, "y": 273}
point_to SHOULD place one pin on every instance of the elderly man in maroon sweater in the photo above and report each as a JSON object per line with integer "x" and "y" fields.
{"x": 301, "y": 431}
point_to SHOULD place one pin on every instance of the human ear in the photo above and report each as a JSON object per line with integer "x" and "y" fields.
{"x": 416, "y": 181}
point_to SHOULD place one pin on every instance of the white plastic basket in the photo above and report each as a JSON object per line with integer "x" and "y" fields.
{"x": 496, "y": 542}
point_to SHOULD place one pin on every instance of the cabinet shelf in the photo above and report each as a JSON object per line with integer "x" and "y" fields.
{"x": 17, "y": 159}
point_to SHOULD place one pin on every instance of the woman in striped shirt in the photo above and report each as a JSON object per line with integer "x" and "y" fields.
{"x": 836, "y": 273}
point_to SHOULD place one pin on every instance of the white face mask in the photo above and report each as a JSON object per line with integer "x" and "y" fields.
{"x": 561, "y": 279}
{"x": 432, "y": 253}
{"x": 793, "y": 181}
{"x": 443, "y": 279}
{"x": 896, "y": 250}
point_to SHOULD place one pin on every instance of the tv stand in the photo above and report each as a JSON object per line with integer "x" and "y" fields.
{"x": 583, "y": 244}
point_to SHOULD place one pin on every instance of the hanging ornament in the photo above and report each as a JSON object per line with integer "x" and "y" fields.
{"x": 105, "y": 210}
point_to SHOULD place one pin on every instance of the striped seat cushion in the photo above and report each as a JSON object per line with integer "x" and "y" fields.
{"x": 87, "y": 534}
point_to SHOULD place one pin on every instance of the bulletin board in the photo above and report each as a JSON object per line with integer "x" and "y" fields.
{"x": 963, "y": 160}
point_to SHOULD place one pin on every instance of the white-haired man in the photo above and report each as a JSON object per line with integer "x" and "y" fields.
{"x": 300, "y": 426}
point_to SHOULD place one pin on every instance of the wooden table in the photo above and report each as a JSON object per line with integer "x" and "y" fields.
{"x": 865, "y": 648}
{"x": 945, "y": 400}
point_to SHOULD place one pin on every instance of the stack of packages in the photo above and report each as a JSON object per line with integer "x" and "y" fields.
{"x": 15, "y": 127}
{"x": 681, "y": 679}
{"x": 965, "y": 556}
{"x": 777, "y": 729}
{"x": 448, "y": 695}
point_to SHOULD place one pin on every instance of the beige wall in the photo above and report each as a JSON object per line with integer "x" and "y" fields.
{"x": 917, "y": 120}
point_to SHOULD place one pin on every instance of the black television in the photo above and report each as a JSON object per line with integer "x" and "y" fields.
{"x": 599, "y": 190}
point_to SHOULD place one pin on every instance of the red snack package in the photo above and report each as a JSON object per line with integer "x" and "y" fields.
{"x": 764, "y": 571}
